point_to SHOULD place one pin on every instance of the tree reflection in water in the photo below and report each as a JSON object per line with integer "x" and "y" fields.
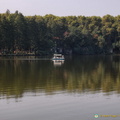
{"x": 78, "y": 74}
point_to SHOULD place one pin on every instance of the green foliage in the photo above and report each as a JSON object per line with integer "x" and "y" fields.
{"x": 43, "y": 34}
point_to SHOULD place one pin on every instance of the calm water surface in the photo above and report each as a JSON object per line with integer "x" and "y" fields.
{"x": 76, "y": 89}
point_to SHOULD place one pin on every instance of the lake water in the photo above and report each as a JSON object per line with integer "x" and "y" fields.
{"x": 76, "y": 89}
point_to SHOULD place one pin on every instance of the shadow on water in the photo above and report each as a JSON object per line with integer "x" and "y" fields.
{"x": 76, "y": 75}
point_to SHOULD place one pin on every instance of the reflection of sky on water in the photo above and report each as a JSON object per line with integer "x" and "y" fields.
{"x": 60, "y": 106}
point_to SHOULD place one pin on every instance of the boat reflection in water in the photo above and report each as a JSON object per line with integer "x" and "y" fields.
{"x": 58, "y": 62}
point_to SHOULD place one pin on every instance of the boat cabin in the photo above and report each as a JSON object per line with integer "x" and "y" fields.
{"x": 58, "y": 57}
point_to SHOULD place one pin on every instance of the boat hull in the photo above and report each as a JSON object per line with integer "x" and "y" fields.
{"x": 58, "y": 59}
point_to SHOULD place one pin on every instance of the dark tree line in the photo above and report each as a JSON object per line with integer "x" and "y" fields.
{"x": 42, "y": 35}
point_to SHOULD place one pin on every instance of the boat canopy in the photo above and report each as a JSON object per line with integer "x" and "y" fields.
{"x": 57, "y": 55}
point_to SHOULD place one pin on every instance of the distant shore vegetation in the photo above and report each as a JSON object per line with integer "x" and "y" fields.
{"x": 44, "y": 35}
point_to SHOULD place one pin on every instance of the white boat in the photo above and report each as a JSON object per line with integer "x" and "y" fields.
{"x": 58, "y": 57}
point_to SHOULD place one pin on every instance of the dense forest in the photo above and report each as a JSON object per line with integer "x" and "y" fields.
{"x": 44, "y": 35}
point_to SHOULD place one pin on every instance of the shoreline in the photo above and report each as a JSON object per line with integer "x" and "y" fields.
{"x": 51, "y": 54}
